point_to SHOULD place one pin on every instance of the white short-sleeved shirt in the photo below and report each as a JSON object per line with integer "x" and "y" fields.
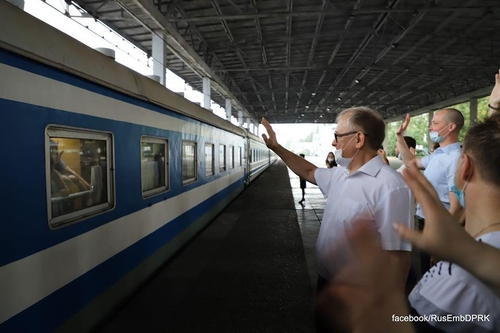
{"x": 374, "y": 193}
{"x": 440, "y": 169}
{"x": 449, "y": 289}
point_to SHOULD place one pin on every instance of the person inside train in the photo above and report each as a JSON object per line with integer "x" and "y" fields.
{"x": 330, "y": 160}
{"x": 440, "y": 166}
{"x": 466, "y": 282}
{"x": 61, "y": 167}
{"x": 60, "y": 184}
{"x": 363, "y": 187}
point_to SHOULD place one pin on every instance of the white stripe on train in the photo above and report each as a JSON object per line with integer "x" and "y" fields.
{"x": 92, "y": 248}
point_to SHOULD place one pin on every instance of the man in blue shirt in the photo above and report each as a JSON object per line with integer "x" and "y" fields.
{"x": 439, "y": 167}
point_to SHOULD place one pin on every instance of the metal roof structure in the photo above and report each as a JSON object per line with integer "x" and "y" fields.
{"x": 306, "y": 60}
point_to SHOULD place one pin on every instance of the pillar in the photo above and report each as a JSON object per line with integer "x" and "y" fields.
{"x": 228, "y": 109}
{"x": 240, "y": 117}
{"x": 206, "y": 93}
{"x": 159, "y": 56}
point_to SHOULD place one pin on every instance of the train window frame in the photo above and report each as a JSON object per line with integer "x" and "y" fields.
{"x": 73, "y": 133}
{"x": 231, "y": 157}
{"x": 211, "y": 146}
{"x": 195, "y": 162}
{"x": 165, "y": 187}
{"x": 239, "y": 156}
{"x": 223, "y": 153}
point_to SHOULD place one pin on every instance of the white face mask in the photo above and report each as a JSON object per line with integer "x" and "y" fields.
{"x": 344, "y": 161}
{"x": 330, "y": 159}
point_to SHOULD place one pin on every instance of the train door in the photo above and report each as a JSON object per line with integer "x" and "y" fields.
{"x": 246, "y": 160}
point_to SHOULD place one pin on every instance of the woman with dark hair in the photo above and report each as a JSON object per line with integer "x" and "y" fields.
{"x": 330, "y": 160}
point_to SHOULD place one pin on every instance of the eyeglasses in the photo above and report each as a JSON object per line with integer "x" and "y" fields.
{"x": 337, "y": 135}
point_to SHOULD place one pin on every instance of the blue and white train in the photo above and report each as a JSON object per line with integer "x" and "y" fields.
{"x": 107, "y": 175}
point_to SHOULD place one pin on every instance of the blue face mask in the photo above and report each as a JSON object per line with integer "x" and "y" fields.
{"x": 434, "y": 135}
{"x": 460, "y": 194}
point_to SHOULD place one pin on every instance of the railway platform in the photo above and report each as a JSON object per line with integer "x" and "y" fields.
{"x": 250, "y": 270}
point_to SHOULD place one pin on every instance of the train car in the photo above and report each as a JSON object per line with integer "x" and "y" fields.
{"x": 259, "y": 156}
{"x": 107, "y": 175}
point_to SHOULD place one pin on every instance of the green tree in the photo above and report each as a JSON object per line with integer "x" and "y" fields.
{"x": 419, "y": 130}
{"x": 391, "y": 136}
{"x": 482, "y": 108}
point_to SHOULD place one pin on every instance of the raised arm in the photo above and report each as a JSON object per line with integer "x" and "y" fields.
{"x": 298, "y": 164}
{"x": 445, "y": 239}
{"x": 494, "y": 102}
{"x": 406, "y": 155}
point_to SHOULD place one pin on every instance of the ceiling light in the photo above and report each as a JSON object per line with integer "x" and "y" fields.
{"x": 314, "y": 94}
{"x": 357, "y": 81}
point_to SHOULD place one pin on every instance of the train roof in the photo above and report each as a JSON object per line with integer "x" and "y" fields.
{"x": 54, "y": 48}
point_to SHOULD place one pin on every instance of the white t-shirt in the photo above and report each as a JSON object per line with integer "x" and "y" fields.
{"x": 449, "y": 289}
{"x": 374, "y": 193}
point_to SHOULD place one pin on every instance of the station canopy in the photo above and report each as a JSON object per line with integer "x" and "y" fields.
{"x": 306, "y": 60}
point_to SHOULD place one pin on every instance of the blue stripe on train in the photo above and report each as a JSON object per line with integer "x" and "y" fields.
{"x": 55, "y": 309}
{"x": 25, "y": 217}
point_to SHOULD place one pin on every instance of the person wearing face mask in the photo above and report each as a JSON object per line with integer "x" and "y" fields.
{"x": 361, "y": 188}
{"x": 330, "y": 160}
{"x": 448, "y": 288}
{"x": 465, "y": 282}
{"x": 439, "y": 167}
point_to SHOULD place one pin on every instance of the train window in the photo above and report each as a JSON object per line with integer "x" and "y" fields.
{"x": 209, "y": 160}
{"x": 79, "y": 179}
{"x": 231, "y": 157}
{"x": 239, "y": 156}
{"x": 154, "y": 172}
{"x": 188, "y": 162}
{"x": 222, "y": 158}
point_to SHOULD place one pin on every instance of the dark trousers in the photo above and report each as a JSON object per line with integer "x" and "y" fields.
{"x": 425, "y": 258}
{"x": 321, "y": 284}
{"x": 319, "y": 315}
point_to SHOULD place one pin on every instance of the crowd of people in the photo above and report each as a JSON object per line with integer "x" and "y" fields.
{"x": 364, "y": 243}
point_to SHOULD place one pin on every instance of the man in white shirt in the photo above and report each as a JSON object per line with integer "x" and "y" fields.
{"x": 362, "y": 188}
